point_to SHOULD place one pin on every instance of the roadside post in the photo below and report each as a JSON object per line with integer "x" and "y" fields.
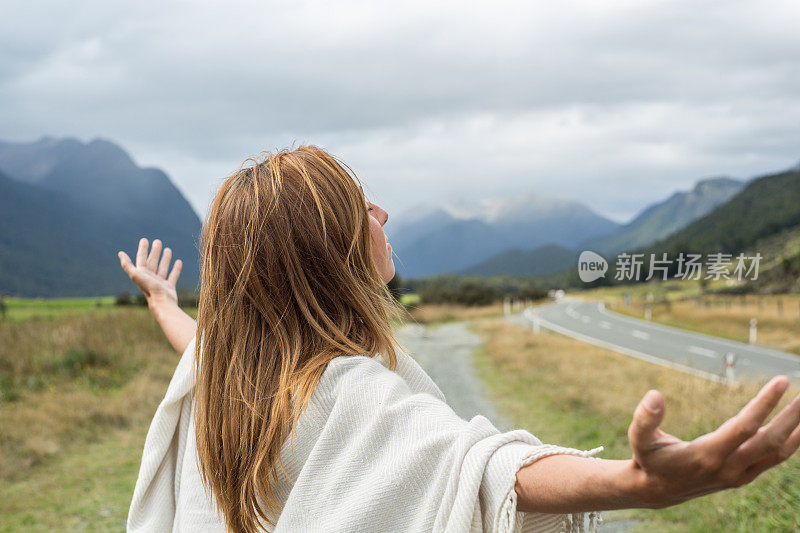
{"x": 506, "y": 306}
{"x": 753, "y": 324}
{"x": 730, "y": 371}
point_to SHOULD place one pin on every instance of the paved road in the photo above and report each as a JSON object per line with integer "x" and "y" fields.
{"x": 685, "y": 350}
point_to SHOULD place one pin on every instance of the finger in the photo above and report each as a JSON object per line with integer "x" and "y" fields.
{"x": 155, "y": 253}
{"x": 125, "y": 262}
{"x": 163, "y": 266}
{"x": 791, "y": 445}
{"x": 176, "y": 272}
{"x": 770, "y": 439}
{"x": 141, "y": 254}
{"x": 739, "y": 428}
{"x": 648, "y": 415}
{"x": 787, "y": 450}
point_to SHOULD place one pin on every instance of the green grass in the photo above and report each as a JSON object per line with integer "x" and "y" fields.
{"x": 58, "y": 303}
{"x": 668, "y": 290}
{"x": 409, "y": 299}
{"x": 78, "y": 393}
{"x": 87, "y": 488}
{"x": 20, "y": 309}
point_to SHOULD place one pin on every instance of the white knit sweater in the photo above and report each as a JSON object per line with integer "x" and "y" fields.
{"x": 376, "y": 450}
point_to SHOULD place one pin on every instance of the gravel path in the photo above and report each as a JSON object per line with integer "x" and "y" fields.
{"x": 445, "y": 353}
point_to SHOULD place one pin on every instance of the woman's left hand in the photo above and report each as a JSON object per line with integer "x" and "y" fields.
{"x": 150, "y": 274}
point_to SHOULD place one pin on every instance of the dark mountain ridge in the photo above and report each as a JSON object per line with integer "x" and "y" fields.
{"x": 66, "y": 208}
{"x": 766, "y": 206}
{"x": 662, "y": 218}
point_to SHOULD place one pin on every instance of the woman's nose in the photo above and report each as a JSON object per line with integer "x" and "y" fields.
{"x": 380, "y": 214}
{"x": 384, "y": 215}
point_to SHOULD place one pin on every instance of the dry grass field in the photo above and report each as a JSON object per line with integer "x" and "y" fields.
{"x": 440, "y": 313}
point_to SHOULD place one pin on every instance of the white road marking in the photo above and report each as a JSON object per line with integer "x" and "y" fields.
{"x": 605, "y": 325}
{"x": 572, "y": 312}
{"x": 640, "y": 334}
{"x": 585, "y": 319}
{"x": 705, "y": 352}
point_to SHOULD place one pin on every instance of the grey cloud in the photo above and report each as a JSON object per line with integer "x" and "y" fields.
{"x": 618, "y": 102}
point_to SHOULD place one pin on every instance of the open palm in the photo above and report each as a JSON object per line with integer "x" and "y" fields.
{"x": 150, "y": 271}
{"x": 734, "y": 454}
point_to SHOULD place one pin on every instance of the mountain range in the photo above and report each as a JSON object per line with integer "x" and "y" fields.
{"x": 663, "y": 218}
{"x": 532, "y": 235}
{"x": 67, "y": 207}
{"x": 766, "y": 206}
{"x": 763, "y": 218}
{"x": 458, "y": 234}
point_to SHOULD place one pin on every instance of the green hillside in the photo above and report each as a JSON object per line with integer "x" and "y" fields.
{"x": 765, "y": 207}
{"x": 662, "y": 219}
{"x": 763, "y": 218}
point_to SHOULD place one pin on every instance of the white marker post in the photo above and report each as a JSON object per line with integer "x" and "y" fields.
{"x": 506, "y": 306}
{"x": 730, "y": 372}
{"x": 648, "y": 313}
{"x": 753, "y": 324}
{"x": 535, "y": 325}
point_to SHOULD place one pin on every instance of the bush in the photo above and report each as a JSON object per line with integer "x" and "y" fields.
{"x": 458, "y": 291}
{"x": 187, "y": 298}
{"x": 123, "y": 299}
{"x": 126, "y": 299}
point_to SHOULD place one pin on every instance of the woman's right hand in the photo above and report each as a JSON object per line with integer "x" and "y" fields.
{"x": 150, "y": 274}
{"x": 665, "y": 470}
{"x": 674, "y": 471}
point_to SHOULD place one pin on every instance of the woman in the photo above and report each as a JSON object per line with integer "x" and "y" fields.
{"x": 299, "y": 410}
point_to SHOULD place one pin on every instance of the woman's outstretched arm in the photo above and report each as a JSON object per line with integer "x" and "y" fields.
{"x": 665, "y": 470}
{"x": 150, "y": 275}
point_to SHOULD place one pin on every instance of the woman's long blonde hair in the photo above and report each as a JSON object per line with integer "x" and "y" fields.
{"x": 288, "y": 282}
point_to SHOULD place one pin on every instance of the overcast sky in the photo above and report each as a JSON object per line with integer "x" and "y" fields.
{"x": 614, "y": 103}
